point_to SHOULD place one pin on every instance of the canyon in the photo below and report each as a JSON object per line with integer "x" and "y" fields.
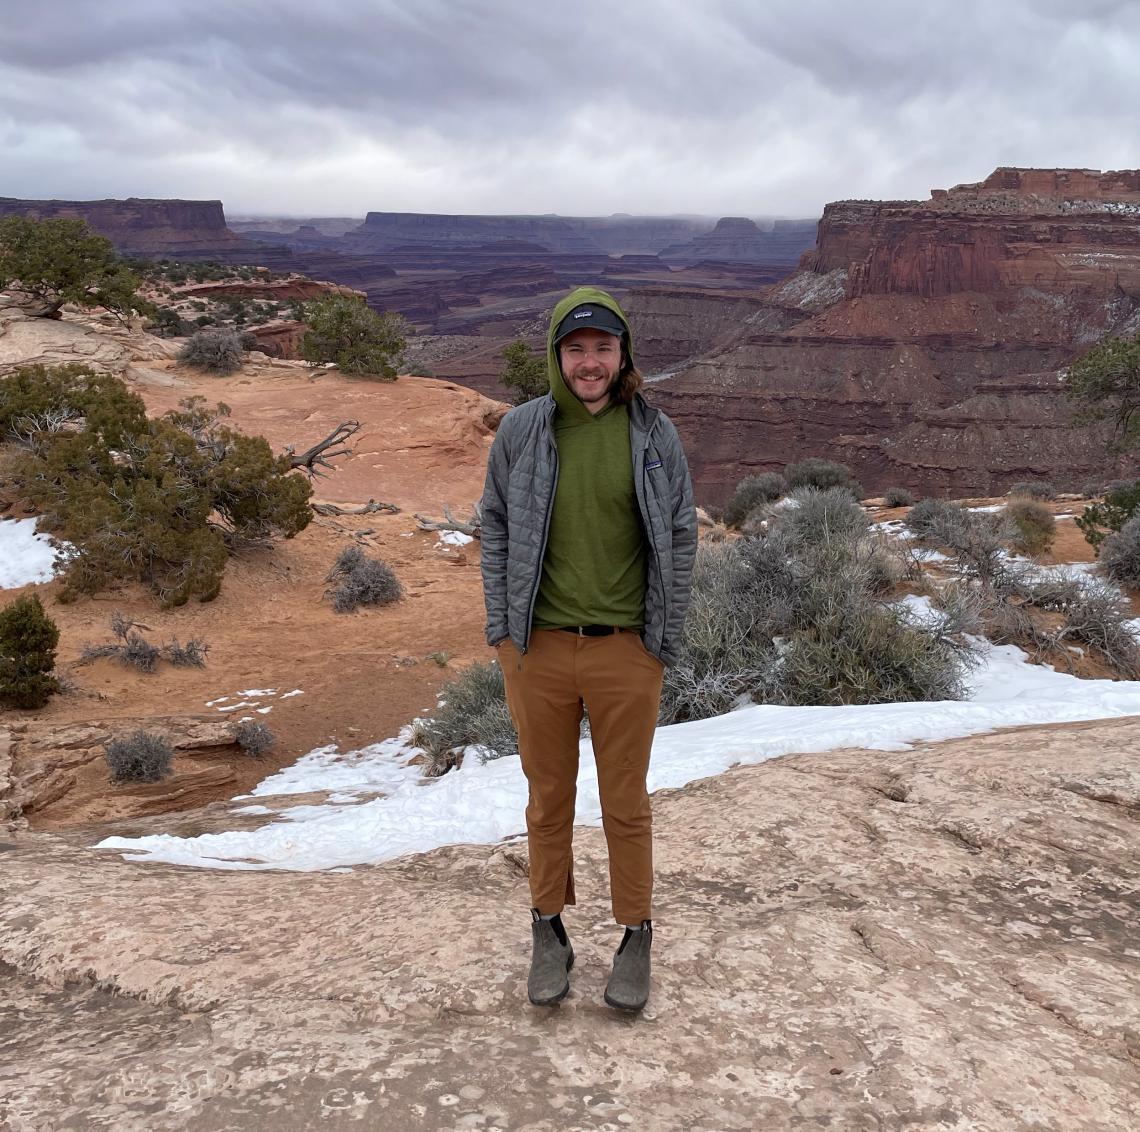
{"x": 921, "y": 342}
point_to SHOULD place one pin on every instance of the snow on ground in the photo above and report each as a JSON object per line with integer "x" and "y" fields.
{"x": 25, "y": 555}
{"x": 454, "y": 538}
{"x": 254, "y": 702}
{"x": 484, "y": 803}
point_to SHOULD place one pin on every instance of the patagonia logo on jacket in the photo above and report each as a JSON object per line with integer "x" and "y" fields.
{"x": 651, "y": 464}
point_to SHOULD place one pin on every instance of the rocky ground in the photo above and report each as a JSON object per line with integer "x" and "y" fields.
{"x": 938, "y": 939}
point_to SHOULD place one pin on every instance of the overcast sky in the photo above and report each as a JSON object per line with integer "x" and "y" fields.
{"x": 719, "y": 107}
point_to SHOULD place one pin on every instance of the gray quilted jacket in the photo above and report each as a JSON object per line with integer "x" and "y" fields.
{"x": 522, "y": 472}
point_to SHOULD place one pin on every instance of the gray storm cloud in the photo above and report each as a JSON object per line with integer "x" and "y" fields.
{"x": 490, "y": 107}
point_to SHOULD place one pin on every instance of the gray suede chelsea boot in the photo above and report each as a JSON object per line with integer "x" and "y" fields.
{"x": 628, "y": 988}
{"x": 550, "y": 963}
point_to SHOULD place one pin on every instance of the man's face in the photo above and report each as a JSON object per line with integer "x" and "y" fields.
{"x": 590, "y": 361}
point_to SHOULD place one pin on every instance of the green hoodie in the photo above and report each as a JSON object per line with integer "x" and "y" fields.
{"x": 594, "y": 569}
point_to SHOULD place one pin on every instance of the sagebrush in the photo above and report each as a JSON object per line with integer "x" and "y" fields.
{"x": 802, "y": 621}
{"x": 141, "y": 756}
{"x": 752, "y": 492}
{"x": 254, "y": 737}
{"x": 213, "y": 351}
{"x": 362, "y": 581}
{"x": 1033, "y": 525}
{"x": 898, "y": 497}
{"x": 1120, "y": 554}
{"x": 472, "y": 712}
{"x": 1033, "y": 489}
{"x": 816, "y": 472}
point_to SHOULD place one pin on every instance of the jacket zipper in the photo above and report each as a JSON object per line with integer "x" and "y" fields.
{"x": 542, "y": 556}
{"x": 643, "y": 497}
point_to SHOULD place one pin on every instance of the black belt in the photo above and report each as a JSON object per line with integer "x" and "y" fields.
{"x": 590, "y": 630}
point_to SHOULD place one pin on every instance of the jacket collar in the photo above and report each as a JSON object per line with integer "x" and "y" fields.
{"x": 642, "y": 414}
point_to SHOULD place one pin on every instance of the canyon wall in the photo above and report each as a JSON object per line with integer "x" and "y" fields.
{"x": 140, "y": 227}
{"x": 921, "y": 342}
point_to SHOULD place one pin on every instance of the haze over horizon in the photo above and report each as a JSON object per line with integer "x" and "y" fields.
{"x": 492, "y": 107}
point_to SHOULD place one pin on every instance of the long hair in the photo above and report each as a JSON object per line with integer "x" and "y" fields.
{"x": 629, "y": 380}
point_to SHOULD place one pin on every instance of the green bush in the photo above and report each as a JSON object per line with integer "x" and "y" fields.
{"x": 1033, "y": 523}
{"x": 213, "y": 351}
{"x": 1104, "y": 385}
{"x": 1120, "y": 554}
{"x": 1038, "y": 489}
{"x": 898, "y": 497}
{"x": 753, "y": 492}
{"x": 158, "y": 501}
{"x": 362, "y": 581}
{"x": 345, "y": 330}
{"x": 1121, "y": 501}
{"x": 28, "y": 639}
{"x": 525, "y": 371}
{"x": 61, "y": 260}
{"x": 167, "y": 323}
{"x": 814, "y": 472}
{"x": 141, "y": 756}
{"x": 472, "y": 712}
{"x": 38, "y": 399}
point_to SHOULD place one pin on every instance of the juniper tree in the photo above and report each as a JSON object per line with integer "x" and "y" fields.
{"x": 345, "y": 330}
{"x": 61, "y": 261}
{"x": 28, "y": 638}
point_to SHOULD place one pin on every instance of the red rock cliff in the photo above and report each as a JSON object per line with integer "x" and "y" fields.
{"x": 921, "y": 341}
{"x": 135, "y": 225}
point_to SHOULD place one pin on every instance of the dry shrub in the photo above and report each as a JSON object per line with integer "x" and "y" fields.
{"x": 1033, "y": 523}
{"x": 777, "y": 620}
{"x": 753, "y": 492}
{"x": 1036, "y": 489}
{"x": 213, "y": 351}
{"x": 898, "y": 497}
{"x": 1120, "y": 554}
{"x": 362, "y": 581}
{"x": 472, "y": 712}
{"x": 253, "y": 737}
{"x": 141, "y": 756}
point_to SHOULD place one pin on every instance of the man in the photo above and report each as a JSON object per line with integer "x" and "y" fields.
{"x": 588, "y": 540}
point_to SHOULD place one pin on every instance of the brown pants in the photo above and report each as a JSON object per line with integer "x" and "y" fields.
{"x": 619, "y": 682}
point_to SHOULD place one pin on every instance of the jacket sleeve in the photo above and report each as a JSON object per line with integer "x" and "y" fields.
{"x": 493, "y": 537}
{"x": 684, "y": 532}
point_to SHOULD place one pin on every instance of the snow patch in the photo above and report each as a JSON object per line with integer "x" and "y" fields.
{"x": 26, "y": 556}
{"x": 484, "y": 803}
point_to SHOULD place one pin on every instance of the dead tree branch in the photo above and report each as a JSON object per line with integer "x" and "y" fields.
{"x": 364, "y": 509}
{"x": 322, "y": 453}
{"x": 472, "y": 527}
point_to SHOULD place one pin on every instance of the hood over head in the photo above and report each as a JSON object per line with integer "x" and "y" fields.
{"x": 566, "y": 400}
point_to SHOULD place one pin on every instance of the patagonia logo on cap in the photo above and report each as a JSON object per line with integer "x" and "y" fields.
{"x": 583, "y": 314}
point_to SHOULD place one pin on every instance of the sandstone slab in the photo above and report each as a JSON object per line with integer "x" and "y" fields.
{"x": 935, "y": 939}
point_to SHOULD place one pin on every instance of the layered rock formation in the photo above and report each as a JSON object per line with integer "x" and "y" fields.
{"x": 388, "y": 231}
{"x": 922, "y": 342}
{"x": 736, "y": 239}
{"x": 139, "y": 226}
